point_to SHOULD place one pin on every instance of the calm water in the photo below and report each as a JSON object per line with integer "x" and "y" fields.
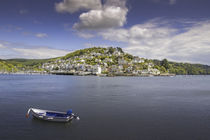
{"x": 110, "y": 108}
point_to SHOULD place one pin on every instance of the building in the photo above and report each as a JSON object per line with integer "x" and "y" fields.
{"x": 98, "y": 70}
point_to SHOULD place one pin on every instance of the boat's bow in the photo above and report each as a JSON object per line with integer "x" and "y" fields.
{"x": 28, "y": 112}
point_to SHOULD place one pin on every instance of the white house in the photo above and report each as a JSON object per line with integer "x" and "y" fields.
{"x": 98, "y": 70}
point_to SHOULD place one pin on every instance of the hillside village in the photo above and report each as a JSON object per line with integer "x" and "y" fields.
{"x": 101, "y": 61}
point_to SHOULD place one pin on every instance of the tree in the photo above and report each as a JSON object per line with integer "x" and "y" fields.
{"x": 162, "y": 69}
{"x": 120, "y": 49}
{"x": 111, "y": 50}
{"x": 165, "y": 63}
{"x": 128, "y": 56}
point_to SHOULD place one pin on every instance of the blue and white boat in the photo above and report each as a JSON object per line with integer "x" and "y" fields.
{"x": 54, "y": 116}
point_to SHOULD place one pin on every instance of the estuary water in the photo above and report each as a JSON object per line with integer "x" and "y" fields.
{"x": 110, "y": 108}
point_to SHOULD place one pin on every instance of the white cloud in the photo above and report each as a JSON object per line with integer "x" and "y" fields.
{"x": 12, "y": 50}
{"x": 72, "y": 6}
{"x": 40, "y": 53}
{"x": 90, "y": 45}
{"x": 85, "y": 35}
{"x": 158, "y": 39}
{"x": 112, "y": 13}
{"x": 108, "y": 17}
{"x": 2, "y": 46}
{"x": 119, "y": 35}
{"x": 137, "y": 33}
{"x": 41, "y": 35}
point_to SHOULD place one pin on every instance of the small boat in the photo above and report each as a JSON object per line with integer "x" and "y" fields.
{"x": 54, "y": 116}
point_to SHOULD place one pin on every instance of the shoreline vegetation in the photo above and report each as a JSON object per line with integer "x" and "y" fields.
{"x": 101, "y": 62}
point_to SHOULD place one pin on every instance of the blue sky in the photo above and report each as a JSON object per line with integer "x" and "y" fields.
{"x": 178, "y": 30}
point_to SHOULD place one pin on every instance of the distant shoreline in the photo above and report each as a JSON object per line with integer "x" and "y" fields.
{"x": 84, "y": 74}
{"x": 101, "y": 75}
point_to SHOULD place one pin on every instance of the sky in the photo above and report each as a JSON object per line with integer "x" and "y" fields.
{"x": 178, "y": 30}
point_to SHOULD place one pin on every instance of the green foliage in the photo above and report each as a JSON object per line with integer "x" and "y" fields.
{"x": 84, "y": 51}
{"x": 162, "y": 69}
{"x": 26, "y": 62}
{"x": 73, "y": 54}
{"x": 14, "y": 65}
{"x": 111, "y": 50}
{"x": 105, "y": 72}
{"x": 182, "y": 68}
{"x": 90, "y": 61}
{"x": 56, "y": 68}
{"x": 128, "y": 57}
{"x": 165, "y": 64}
{"x": 5, "y": 67}
{"x": 120, "y": 49}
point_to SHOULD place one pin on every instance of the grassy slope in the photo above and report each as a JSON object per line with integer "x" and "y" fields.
{"x": 6, "y": 67}
{"x": 22, "y": 64}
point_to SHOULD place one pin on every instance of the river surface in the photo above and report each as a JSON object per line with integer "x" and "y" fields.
{"x": 110, "y": 108}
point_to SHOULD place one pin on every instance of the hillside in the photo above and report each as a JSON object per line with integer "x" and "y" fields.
{"x": 17, "y": 65}
{"x": 115, "y": 61}
{"x": 103, "y": 61}
{"x": 6, "y": 67}
{"x": 184, "y": 68}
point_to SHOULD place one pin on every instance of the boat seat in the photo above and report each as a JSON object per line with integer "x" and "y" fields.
{"x": 53, "y": 114}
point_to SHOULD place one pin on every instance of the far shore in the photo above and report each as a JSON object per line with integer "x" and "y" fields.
{"x": 79, "y": 74}
{"x": 99, "y": 75}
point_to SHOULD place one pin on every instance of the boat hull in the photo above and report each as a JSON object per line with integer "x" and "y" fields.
{"x": 41, "y": 114}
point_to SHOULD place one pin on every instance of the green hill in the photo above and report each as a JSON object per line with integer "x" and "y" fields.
{"x": 109, "y": 59}
{"x": 6, "y": 67}
{"x": 183, "y": 68}
{"x": 16, "y": 65}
